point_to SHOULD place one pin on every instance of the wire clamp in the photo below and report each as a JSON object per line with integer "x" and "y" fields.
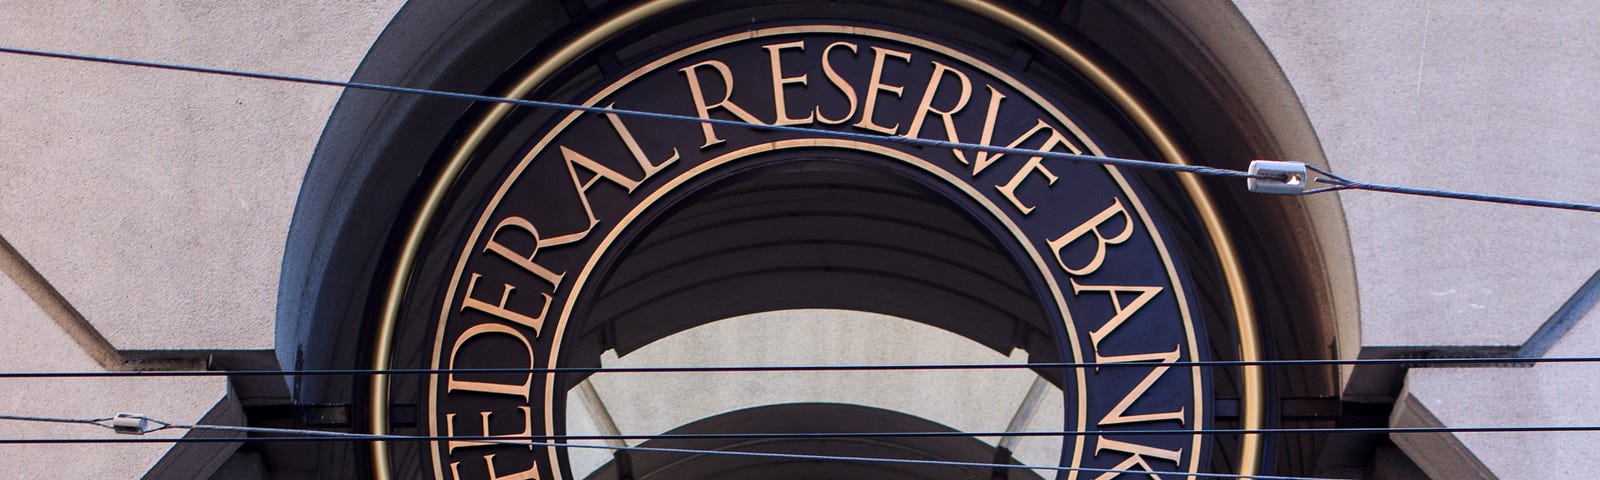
{"x": 130, "y": 423}
{"x": 1278, "y": 178}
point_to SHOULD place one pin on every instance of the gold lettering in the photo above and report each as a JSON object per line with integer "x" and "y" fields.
{"x": 450, "y": 430}
{"x": 984, "y": 138}
{"x": 532, "y": 473}
{"x": 1009, "y": 190}
{"x": 526, "y": 261}
{"x": 876, "y": 85}
{"x": 500, "y": 310}
{"x": 703, "y": 109}
{"x": 645, "y": 165}
{"x": 778, "y": 81}
{"x": 1136, "y": 459}
{"x": 925, "y": 107}
{"x": 599, "y": 171}
{"x": 489, "y": 387}
{"x": 1118, "y": 414}
{"x": 839, "y": 83}
{"x": 1123, "y": 312}
{"x": 1101, "y": 242}
{"x": 1055, "y": 140}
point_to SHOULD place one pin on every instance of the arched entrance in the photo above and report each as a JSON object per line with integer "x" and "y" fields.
{"x": 736, "y": 241}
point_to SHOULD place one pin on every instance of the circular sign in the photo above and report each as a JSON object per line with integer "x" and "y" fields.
{"x": 526, "y": 253}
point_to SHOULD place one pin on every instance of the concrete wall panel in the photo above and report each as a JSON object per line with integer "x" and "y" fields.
{"x": 1492, "y": 97}
{"x": 158, "y": 202}
{"x": 32, "y": 342}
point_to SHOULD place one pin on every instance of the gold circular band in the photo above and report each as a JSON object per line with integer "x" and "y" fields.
{"x": 1253, "y": 394}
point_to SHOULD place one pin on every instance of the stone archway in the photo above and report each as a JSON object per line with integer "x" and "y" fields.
{"x": 344, "y": 265}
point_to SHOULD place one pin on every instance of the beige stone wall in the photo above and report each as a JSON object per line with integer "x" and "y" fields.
{"x": 151, "y": 205}
{"x": 1480, "y": 96}
{"x": 1491, "y": 97}
{"x": 157, "y": 202}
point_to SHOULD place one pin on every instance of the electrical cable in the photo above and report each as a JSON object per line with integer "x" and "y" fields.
{"x": 301, "y": 435}
{"x": 31, "y": 418}
{"x": 813, "y": 368}
{"x": 328, "y": 435}
{"x": 966, "y": 147}
{"x": 1342, "y": 183}
{"x": 306, "y": 435}
{"x": 1337, "y": 182}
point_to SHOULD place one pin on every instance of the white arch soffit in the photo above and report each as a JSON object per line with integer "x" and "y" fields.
{"x": 966, "y": 400}
{"x": 1230, "y": 42}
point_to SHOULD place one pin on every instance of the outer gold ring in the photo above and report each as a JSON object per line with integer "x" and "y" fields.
{"x": 1254, "y": 394}
{"x": 412, "y": 243}
{"x": 1252, "y": 408}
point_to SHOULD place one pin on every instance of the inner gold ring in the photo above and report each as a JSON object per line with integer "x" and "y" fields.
{"x": 1253, "y": 394}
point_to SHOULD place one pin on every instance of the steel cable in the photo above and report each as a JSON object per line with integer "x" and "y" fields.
{"x": 1336, "y": 182}
{"x": 316, "y": 435}
{"x": 1488, "y": 361}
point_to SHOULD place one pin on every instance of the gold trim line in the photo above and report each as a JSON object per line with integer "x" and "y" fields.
{"x": 1254, "y": 385}
{"x": 379, "y": 415}
{"x": 1253, "y": 395}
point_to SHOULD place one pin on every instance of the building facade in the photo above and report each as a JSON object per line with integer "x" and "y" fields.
{"x": 158, "y": 220}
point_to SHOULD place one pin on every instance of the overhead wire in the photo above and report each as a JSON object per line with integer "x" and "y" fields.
{"x": 307, "y": 435}
{"x": 1517, "y": 361}
{"x": 287, "y": 434}
{"x": 303, "y": 435}
{"x": 968, "y": 147}
{"x": 35, "y": 418}
{"x": 1336, "y": 182}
